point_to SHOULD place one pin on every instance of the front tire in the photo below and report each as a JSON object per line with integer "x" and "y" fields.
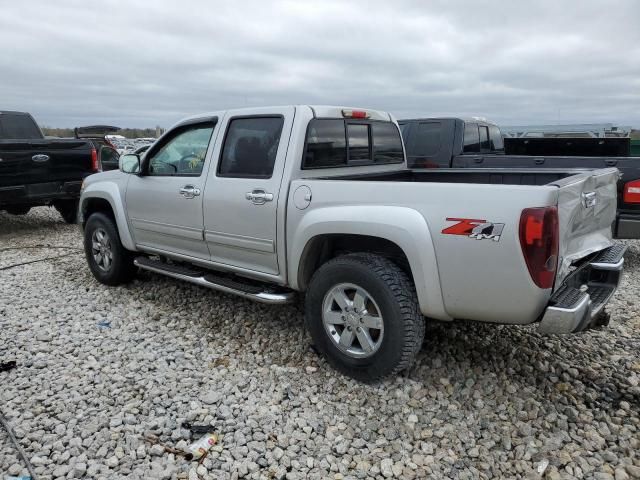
{"x": 363, "y": 315}
{"x": 108, "y": 260}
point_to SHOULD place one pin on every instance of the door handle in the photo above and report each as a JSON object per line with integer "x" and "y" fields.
{"x": 478, "y": 160}
{"x": 259, "y": 197}
{"x": 189, "y": 191}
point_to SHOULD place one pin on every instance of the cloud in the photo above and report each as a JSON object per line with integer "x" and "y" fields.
{"x": 141, "y": 64}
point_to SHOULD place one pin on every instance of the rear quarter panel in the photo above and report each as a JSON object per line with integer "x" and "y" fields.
{"x": 456, "y": 276}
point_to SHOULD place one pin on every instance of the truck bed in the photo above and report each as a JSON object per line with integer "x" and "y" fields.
{"x": 496, "y": 176}
{"x": 628, "y": 218}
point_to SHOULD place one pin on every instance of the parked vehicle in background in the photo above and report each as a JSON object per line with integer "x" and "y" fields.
{"x": 36, "y": 171}
{"x": 108, "y": 155}
{"x": 582, "y": 140}
{"x": 141, "y": 150}
{"x": 457, "y": 143}
{"x": 266, "y": 202}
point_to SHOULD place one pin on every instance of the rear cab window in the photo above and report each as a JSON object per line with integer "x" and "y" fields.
{"x": 334, "y": 143}
{"x": 471, "y": 138}
{"x": 18, "y": 126}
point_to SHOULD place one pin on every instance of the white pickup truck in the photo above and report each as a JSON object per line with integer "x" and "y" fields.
{"x": 266, "y": 203}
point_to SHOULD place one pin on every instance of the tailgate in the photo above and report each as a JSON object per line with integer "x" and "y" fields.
{"x": 39, "y": 161}
{"x": 586, "y": 210}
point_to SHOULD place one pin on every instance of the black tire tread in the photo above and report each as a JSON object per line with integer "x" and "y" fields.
{"x": 123, "y": 270}
{"x": 405, "y": 295}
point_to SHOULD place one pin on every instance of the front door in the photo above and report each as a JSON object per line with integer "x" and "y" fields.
{"x": 164, "y": 203}
{"x": 241, "y": 199}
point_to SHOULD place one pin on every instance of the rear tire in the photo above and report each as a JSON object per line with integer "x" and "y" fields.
{"x": 108, "y": 260}
{"x": 390, "y": 312}
{"x": 18, "y": 209}
{"x": 68, "y": 210}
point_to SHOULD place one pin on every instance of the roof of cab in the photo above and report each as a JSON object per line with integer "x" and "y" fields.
{"x": 319, "y": 111}
{"x": 331, "y": 111}
{"x": 479, "y": 120}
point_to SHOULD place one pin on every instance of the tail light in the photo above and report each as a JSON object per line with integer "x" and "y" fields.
{"x": 539, "y": 241}
{"x": 94, "y": 160}
{"x": 347, "y": 113}
{"x": 631, "y": 193}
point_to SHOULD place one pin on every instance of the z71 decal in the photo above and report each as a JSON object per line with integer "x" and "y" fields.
{"x": 474, "y": 228}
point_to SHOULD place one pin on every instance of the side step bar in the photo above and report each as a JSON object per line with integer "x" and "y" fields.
{"x": 252, "y": 291}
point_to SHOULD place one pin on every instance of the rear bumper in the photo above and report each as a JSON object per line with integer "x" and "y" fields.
{"x": 39, "y": 193}
{"x": 628, "y": 226}
{"x": 579, "y": 301}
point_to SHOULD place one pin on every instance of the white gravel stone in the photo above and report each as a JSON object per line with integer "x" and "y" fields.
{"x": 482, "y": 401}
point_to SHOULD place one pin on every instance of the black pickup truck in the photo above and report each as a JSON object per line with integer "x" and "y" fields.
{"x": 458, "y": 143}
{"x": 36, "y": 171}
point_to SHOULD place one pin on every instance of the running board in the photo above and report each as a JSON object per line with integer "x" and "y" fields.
{"x": 255, "y": 291}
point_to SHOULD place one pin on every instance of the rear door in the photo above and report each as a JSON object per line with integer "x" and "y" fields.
{"x": 241, "y": 199}
{"x": 164, "y": 203}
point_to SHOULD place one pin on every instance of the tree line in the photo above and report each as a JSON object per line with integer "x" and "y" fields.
{"x": 125, "y": 132}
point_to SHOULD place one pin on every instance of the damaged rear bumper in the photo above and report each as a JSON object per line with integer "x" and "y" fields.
{"x": 581, "y": 298}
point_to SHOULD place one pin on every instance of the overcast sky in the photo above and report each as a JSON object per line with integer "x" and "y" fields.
{"x": 138, "y": 64}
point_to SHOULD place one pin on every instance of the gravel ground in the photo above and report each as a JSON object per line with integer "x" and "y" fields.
{"x": 483, "y": 401}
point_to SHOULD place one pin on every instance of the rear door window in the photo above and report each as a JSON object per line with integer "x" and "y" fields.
{"x": 250, "y": 147}
{"x": 471, "y": 138}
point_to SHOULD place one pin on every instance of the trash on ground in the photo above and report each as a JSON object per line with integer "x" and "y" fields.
{"x": 18, "y": 478}
{"x": 201, "y": 447}
{"x": 153, "y": 440}
{"x": 203, "y": 428}
{"x": 104, "y": 324}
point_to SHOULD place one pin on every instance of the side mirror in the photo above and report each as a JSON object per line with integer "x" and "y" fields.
{"x": 129, "y": 163}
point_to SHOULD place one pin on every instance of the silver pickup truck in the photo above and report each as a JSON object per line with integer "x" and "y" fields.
{"x": 267, "y": 203}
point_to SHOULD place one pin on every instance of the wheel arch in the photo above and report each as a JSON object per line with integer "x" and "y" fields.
{"x": 107, "y": 200}
{"x": 397, "y": 232}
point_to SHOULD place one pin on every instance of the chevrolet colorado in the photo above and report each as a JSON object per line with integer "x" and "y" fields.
{"x": 267, "y": 202}
{"x": 458, "y": 143}
{"x": 35, "y": 170}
